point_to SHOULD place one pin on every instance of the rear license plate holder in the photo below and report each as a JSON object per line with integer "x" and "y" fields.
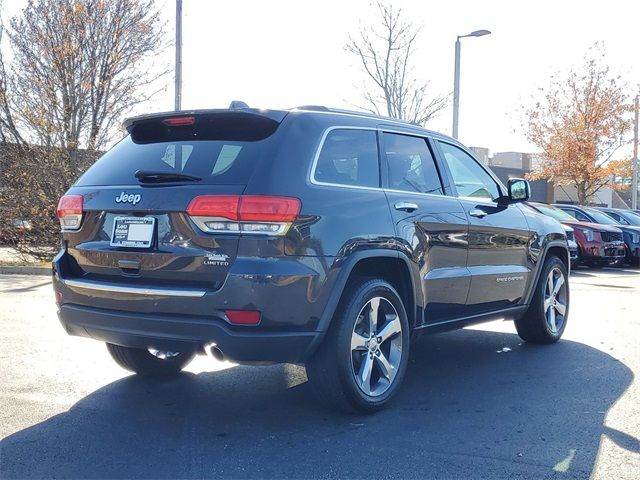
{"x": 133, "y": 232}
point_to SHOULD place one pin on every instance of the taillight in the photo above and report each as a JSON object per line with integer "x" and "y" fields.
{"x": 254, "y": 208}
{"x": 253, "y": 214}
{"x": 70, "y": 210}
{"x": 222, "y": 206}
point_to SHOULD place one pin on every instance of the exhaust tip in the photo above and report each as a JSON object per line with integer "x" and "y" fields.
{"x": 212, "y": 350}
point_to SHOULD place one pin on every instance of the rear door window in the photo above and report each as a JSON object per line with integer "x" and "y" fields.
{"x": 349, "y": 157}
{"x": 410, "y": 164}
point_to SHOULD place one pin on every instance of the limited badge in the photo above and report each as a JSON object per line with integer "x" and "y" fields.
{"x": 216, "y": 259}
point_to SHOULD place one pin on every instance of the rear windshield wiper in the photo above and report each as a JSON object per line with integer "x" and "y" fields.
{"x": 159, "y": 176}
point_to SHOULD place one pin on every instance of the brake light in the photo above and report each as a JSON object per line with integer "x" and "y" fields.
{"x": 257, "y": 214}
{"x": 222, "y": 206}
{"x": 175, "y": 121}
{"x": 243, "y": 317}
{"x": 254, "y": 208}
{"x": 70, "y": 211}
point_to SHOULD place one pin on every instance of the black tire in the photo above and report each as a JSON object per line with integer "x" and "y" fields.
{"x": 143, "y": 362}
{"x": 534, "y": 326}
{"x": 331, "y": 370}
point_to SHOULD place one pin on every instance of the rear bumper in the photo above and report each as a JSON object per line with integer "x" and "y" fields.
{"x": 144, "y": 330}
{"x": 290, "y": 294}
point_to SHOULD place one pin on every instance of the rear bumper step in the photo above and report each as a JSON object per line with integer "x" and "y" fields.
{"x": 165, "y": 333}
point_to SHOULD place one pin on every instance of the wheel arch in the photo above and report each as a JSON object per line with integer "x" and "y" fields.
{"x": 390, "y": 265}
{"x": 555, "y": 248}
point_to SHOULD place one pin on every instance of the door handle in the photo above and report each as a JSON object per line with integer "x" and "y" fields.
{"x": 476, "y": 212}
{"x": 406, "y": 206}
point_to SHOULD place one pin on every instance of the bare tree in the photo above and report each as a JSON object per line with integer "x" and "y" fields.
{"x": 76, "y": 66}
{"x": 385, "y": 51}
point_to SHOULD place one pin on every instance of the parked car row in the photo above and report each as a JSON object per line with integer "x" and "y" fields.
{"x": 602, "y": 236}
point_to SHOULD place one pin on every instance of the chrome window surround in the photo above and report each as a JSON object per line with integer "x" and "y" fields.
{"x": 312, "y": 170}
{"x": 314, "y": 164}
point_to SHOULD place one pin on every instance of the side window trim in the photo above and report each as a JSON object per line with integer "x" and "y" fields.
{"x": 385, "y": 165}
{"x": 454, "y": 192}
{"x": 316, "y": 156}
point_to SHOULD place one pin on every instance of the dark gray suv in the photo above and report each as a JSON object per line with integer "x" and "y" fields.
{"x": 311, "y": 235}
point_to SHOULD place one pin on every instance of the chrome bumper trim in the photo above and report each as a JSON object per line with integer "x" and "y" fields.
{"x": 148, "y": 291}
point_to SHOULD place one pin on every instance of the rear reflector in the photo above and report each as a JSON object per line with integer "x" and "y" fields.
{"x": 174, "y": 121}
{"x": 246, "y": 208}
{"x": 243, "y": 317}
{"x": 70, "y": 210}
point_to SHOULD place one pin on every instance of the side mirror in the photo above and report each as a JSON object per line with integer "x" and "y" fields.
{"x": 518, "y": 190}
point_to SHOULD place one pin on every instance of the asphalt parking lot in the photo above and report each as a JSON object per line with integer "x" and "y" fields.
{"x": 476, "y": 403}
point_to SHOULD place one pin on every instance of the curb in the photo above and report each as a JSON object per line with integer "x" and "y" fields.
{"x": 23, "y": 270}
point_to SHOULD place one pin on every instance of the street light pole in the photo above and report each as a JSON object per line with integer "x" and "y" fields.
{"x": 456, "y": 78}
{"x": 178, "y": 72}
{"x": 634, "y": 181}
{"x": 456, "y": 89}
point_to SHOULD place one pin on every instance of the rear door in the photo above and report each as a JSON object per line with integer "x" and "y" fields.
{"x": 498, "y": 235}
{"x": 432, "y": 227}
{"x": 136, "y": 227}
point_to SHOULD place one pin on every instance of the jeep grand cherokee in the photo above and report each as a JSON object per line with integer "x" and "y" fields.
{"x": 314, "y": 236}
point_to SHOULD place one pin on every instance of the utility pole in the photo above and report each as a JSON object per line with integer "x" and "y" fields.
{"x": 178, "y": 73}
{"x": 634, "y": 181}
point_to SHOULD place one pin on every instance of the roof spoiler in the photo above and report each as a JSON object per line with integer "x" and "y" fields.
{"x": 275, "y": 115}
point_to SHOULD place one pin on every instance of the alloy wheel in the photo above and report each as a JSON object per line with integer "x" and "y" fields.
{"x": 555, "y": 300}
{"x": 376, "y": 346}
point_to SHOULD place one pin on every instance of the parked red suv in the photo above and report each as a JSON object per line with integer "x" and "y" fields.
{"x": 598, "y": 244}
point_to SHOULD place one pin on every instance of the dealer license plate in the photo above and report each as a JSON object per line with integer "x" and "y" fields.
{"x": 134, "y": 232}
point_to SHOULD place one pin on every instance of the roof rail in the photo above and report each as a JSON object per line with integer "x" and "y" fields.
{"x": 314, "y": 108}
{"x": 360, "y": 113}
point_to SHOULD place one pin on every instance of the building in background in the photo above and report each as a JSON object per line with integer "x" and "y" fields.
{"x": 481, "y": 154}
{"x": 508, "y": 165}
{"x": 605, "y": 197}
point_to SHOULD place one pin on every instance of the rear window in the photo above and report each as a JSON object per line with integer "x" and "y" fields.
{"x": 221, "y": 153}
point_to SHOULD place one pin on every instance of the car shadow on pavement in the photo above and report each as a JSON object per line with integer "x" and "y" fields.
{"x": 474, "y": 404}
